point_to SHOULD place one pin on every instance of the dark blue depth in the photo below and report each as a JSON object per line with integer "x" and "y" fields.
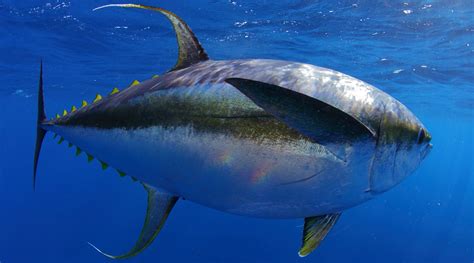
{"x": 421, "y": 52}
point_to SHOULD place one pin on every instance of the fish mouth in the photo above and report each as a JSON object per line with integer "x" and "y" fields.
{"x": 426, "y": 151}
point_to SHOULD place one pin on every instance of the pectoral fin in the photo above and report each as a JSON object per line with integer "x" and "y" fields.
{"x": 158, "y": 209}
{"x": 315, "y": 229}
{"x": 311, "y": 117}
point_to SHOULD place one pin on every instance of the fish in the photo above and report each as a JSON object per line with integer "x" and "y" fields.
{"x": 252, "y": 137}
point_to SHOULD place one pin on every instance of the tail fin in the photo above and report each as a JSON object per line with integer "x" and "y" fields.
{"x": 40, "y": 132}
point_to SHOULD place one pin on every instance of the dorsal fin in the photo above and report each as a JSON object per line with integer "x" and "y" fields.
{"x": 189, "y": 48}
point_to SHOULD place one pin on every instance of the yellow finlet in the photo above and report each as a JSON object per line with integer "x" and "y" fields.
{"x": 134, "y": 179}
{"x": 122, "y": 174}
{"x": 114, "y": 91}
{"x": 64, "y": 112}
{"x": 89, "y": 158}
{"x": 73, "y": 108}
{"x": 78, "y": 151}
{"x": 55, "y": 135}
{"x": 61, "y": 140}
{"x": 103, "y": 165}
{"x": 155, "y": 76}
{"x": 57, "y": 116}
{"x": 69, "y": 145}
{"x": 97, "y": 98}
{"x": 84, "y": 103}
{"x": 134, "y": 83}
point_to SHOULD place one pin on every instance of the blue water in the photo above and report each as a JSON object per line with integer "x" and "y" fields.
{"x": 421, "y": 52}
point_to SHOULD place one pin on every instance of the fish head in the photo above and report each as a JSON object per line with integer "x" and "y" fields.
{"x": 403, "y": 142}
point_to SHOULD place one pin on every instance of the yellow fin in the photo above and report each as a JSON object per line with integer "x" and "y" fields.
{"x": 78, "y": 151}
{"x": 103, "y": 165}
{"x": 314, "y": 231}
{"x": 97, "y": 98}
{"x": 57, "y": 116}
{"x": 134, "y": 83}
{"x": 64, "y": 112}
{"x": 155, "y": 76}
{"x": 84, "y": 103}
{"x": 89, "y": 158}
{"x": 114, "y": 91}
{"x": 73, "y": 108}
{"x": 122, "y": 174}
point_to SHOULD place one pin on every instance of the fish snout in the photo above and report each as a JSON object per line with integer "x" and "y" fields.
{"x": 424, "y": 141}
{"x": 403, "y": 143}
{"x": 424, "y": 137}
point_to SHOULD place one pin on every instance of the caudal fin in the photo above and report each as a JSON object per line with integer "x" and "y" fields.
{"x": 40, "y": 132}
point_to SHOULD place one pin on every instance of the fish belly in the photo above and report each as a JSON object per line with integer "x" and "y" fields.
{"x": 260, "y": 178}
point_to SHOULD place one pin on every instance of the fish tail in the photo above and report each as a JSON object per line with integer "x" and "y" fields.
{"x": 40, "y": 132}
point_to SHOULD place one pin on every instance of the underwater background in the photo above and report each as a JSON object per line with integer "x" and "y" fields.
{"x": 420, "y": 52}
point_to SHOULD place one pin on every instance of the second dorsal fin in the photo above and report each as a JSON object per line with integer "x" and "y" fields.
{"x": 189, "y": 48}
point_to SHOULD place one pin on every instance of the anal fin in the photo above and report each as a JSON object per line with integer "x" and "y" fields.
{"x": 158, "y": 208}
{"x": 315, "y": 229}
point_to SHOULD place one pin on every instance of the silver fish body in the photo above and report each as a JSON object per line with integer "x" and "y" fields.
{"x": 255, "y": 137}
{"x": 202, "y": 139}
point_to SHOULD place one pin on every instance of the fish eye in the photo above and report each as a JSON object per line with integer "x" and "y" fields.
{"x": 421, "y": 135}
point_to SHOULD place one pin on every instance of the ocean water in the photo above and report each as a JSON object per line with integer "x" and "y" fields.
{"x": 420, "y": 52}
